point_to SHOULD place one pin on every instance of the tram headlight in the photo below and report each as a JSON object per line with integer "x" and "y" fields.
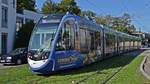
{"x": 42, "y": 57}
{"x": 29, "y": 54}
{"x": 46, "y": 55}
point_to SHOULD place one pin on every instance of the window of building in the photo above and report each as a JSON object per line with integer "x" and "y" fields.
{"x": 5, "y": 1}
{"x": 4, "y": 43}
{"x": 14, "y": 3}
{"x": 4, "y": 17}
{"x": 19, "y": 23}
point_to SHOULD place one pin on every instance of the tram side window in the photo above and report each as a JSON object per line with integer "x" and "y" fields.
{"x": 83, "y": 41}
{"x": 66, "y": 40}
{"x": 36, "y": 43}
{"x": 92, "y": 41}
{"x": 110, "y": 41}
{"x": 88, "y": 40}
{"x": 97, "y": 40}
{"x": 121, "y": 43}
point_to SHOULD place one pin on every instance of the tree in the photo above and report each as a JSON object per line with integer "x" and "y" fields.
{"x": 62, "y": 7}
{"x": 69, "y": 5}
{"x": 25, "y": 4}
{"x": 101, "y": 20}
{"x": 50, "y": 7}
{"x": 23, "y": 35}
{"x": 122, "y": 23}
{"x": 88, "y": 13}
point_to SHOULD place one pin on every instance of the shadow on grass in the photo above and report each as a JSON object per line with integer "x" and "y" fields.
{"x": 113, "y": 62}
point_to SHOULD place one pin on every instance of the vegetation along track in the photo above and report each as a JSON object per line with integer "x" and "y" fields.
{"x": 100, "y": 72}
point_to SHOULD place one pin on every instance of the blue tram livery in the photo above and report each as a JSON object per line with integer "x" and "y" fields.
{"x": 60, "y": 42}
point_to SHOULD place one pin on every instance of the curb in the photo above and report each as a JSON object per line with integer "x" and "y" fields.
{"x": 142, "y": 66}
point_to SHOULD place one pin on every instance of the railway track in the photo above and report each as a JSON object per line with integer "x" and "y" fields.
{"x": 96, "y": 74}
{"x": 105, "y": 81}
{"x": 97, "y": 70}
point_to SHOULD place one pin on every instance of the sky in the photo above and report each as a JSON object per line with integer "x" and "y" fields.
{"x": 138, "y": 9}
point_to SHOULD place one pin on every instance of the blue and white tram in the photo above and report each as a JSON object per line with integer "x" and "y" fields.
{"x": 67, "y": 41}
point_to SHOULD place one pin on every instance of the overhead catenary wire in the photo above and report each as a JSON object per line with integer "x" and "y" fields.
{"x": 94, "y": 5}
{"x": 135, "y": 18}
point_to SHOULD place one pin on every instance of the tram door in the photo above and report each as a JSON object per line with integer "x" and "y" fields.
{"x": 68, "y": 35}
{"x": 98, "y": 44}
{"x": 66, "y": 40}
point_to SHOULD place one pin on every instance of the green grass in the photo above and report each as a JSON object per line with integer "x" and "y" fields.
{"x": 93, "y": 74}
{"x": 130, "y": 74}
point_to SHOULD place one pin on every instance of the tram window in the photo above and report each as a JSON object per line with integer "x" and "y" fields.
{"x": 92, "y": 41}
{"x": 42, "y": 39}
{"x": 66, "y": 40}
{"x": 88, "y": 40}
{"x": 97, "y": 39}
{"x": 36, "y": 43}
{"x": 110, "y": 42}
{"x": 121, "y": 43}
{"x": 77, "y": 41}
{"x": 83, "y": 41}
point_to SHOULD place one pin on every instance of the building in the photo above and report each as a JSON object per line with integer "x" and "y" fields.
{"x": 145, "y": 37}
{"x": 11, "y": 21}
{"x": 26, "y": 16}
{"x": 7, "y": 27}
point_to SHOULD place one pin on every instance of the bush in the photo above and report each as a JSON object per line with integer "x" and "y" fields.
{"x": 23, "y": 35}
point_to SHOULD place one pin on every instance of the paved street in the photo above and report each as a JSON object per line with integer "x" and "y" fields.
{"x": 9, "y": 66}
{"x": 146, "y": 66}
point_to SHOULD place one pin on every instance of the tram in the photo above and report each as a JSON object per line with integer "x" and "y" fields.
{"x": 61, "y": 42}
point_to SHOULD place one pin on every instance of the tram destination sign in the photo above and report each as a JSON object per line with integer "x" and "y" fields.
{"x": 51, "y": 21}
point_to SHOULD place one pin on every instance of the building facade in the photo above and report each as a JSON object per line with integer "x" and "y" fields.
{"x": 7, "y": 27}
{"x": 11, "y": 21}
{"x": 26, "y": 16}
{"x": 145, "y": 37}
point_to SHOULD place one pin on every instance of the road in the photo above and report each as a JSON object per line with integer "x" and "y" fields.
{"x": 146, "y": 66}
{"x": 9, "y": 66}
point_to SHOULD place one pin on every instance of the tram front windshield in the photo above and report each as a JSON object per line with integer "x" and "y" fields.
{"x": 43, "y": 36}
{"x": 41, "y": 40}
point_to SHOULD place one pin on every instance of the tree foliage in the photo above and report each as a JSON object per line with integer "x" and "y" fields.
{"x": 88, "y": 13}
{"x": 23, "y": 35}
{"x": 69, "y": 5}
{"x": 50, "y": 7}
{"x": 122, "y": 23}
{"x": 26, "y": 4}
{"x": 62, "y": 7}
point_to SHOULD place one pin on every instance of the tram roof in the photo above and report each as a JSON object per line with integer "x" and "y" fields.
{"x": 90, "y": 22}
